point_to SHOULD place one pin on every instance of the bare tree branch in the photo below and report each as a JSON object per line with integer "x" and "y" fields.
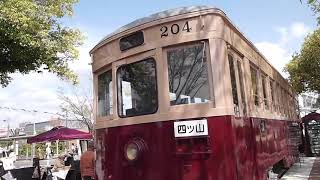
{"x": 78, "y": 105}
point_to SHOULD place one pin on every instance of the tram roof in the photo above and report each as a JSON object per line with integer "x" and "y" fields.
{"x": 176, "y": 12}
{"x": 154, "y": 17}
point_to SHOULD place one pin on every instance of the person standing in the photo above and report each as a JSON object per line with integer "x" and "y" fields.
{"x": 87, "y": 163}
{"x": 73, "y": 148}
{"x": 48, "y": 152}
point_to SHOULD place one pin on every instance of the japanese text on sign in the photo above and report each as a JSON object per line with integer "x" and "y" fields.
{"x": 191, "y": 128}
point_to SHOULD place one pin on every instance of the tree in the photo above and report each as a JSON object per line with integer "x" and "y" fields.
{"x": 78, "y": 105}
{"x": 304, "y": 68}
{"x": 33, "y": 38}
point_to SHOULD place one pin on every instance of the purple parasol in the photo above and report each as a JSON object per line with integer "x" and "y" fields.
{"x": 59, "y": 133}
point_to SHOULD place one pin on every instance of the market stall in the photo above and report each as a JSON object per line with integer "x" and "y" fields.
{"x": 59, "y": 133}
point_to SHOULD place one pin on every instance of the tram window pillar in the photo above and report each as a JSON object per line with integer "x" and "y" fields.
{"x": 242, "y": 86}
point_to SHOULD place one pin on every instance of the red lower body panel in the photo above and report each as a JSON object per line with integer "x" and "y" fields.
{"x": 235, "y": 149}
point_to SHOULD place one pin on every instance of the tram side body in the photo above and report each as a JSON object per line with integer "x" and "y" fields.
{"x": 235, "y": 149}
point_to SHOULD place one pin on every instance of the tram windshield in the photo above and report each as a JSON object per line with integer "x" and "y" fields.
{"x": 137, "y": 88}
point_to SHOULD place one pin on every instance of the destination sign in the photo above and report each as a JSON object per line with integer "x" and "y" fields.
{"x": 191, "y": 128}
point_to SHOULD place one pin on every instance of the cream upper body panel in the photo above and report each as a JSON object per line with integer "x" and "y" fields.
{"x": 205, "y": 21}
{"x": 169, "y": 28}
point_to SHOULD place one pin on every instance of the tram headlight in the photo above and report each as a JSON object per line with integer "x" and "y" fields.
{"x": 132, "y": 151}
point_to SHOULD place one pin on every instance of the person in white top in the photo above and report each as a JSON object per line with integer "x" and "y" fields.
{"x": 48, "y": 152}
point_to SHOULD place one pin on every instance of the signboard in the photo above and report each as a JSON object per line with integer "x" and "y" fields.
{"x": 191, "y": 128}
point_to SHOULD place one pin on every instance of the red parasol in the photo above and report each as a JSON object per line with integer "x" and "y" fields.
{"x": 59, "y": 133}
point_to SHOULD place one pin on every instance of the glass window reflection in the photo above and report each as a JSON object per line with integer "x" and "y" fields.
{"x": 105, "y": 94}
{"x": 137, "y": 88}
{"x": 188, "y": 75}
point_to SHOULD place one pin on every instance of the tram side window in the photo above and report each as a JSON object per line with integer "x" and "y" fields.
{"x": 272, "y": 91}
{"x": 137, "y": 88}
{"x": 290, "y": 106}
{"x": 279, "y": 95}
{"x": 254, "y": 81}
{"x": 287, "y": 103}
{"x": 105, "y": 94}
{"x": 233, "y": 84}
{"x": 188, "y": 74}
{"x": 264, "y": 91}
{"x": 281, "y": 100}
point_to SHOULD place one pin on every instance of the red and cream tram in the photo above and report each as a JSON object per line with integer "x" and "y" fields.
{"x": 183, "y": 95}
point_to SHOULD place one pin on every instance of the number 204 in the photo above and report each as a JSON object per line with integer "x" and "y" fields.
{"x": 174, "y": 29}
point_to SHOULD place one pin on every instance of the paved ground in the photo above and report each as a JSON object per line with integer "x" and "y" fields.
{"x": 307, "y": 169}
{"x": 28, "y": 163}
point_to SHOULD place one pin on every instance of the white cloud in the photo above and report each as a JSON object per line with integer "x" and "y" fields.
{"x": 32, "y": 92}
{"x": 299, "y": 29}
{"x": 279, "y": 52}
{"x": 83, "y": 63}
{"x": 275, "y": 54}
{"x": 295, "y": 31}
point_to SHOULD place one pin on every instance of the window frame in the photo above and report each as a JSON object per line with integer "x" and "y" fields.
{"x": 253, "y": 95}
{"x": 273, "y": 99}
{"x": 233, "y": 59}
{"x": 240, "y": 81}
{"x": 111, "y": 112}
{"x": 279, "y": 100}
{"x": 95, "y": 92}
{"x": 129, "y": 35}
{"x": 265, "y": 93}
{"x": 181, "y": 107}
{"x": 137, "y": 60}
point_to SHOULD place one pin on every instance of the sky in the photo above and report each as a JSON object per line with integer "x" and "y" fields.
{"x": 277, "y": 28}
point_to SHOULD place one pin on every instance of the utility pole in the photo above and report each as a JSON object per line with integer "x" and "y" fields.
{"x": 8, "y": 131}
{"x": 66, "y": 119}
{"x": 33, "y": 151}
